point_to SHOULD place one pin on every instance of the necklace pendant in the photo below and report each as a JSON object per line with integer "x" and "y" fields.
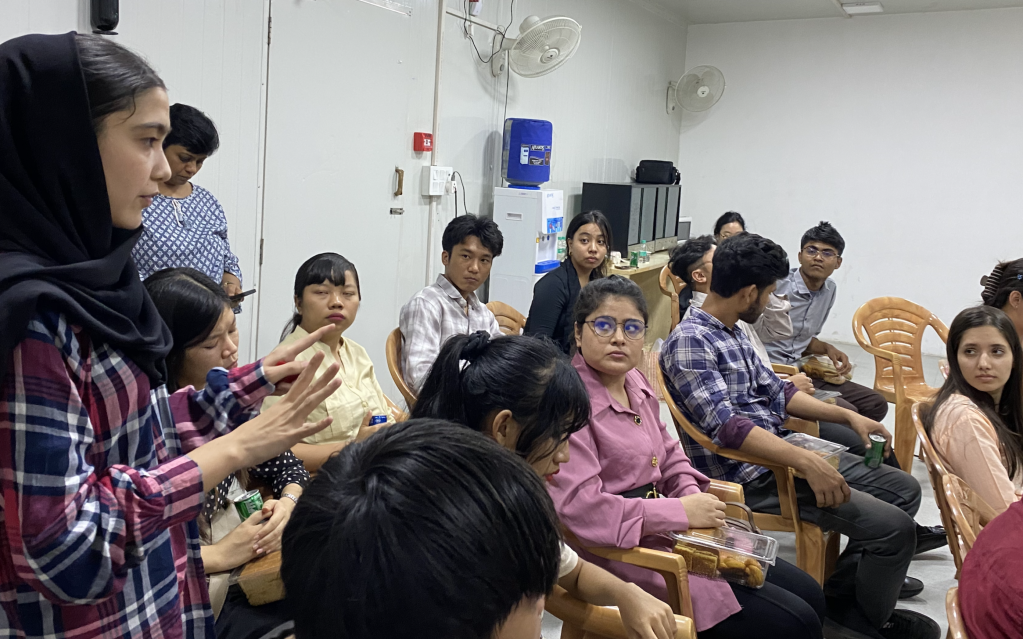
{"x": 653, "y": 462}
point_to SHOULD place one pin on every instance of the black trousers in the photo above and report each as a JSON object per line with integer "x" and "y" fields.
{"x": 240, "y": 620}
{"x": 857, "y": 398}
{"x": 789, "y": 606}
{"x": 878, "y": 520}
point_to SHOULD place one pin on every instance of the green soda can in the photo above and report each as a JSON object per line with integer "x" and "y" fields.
{"x": 875, "y": 454}
{"x": 249, "y": 504}
{"x": 634, "y": 258}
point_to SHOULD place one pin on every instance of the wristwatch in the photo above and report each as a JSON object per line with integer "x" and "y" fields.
{"x": 289, "y": 496}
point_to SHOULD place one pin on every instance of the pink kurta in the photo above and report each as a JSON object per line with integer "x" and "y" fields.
{"x": 614, "y": 454}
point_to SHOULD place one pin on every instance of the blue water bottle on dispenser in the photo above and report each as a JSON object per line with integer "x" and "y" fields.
{"x": 526, "y": 157}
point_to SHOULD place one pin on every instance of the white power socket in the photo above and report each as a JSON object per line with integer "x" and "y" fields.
{"x": 435, "y": 180}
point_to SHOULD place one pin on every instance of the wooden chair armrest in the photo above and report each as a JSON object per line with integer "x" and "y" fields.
{"x": 727, "y": 491}
{"x": 606, "y": 622}
{"x": 784, "y": 369}
{"x": 396, "y": 412}
{"x": 656, "y": 560}
{"x": 798, "y": 425}
{"x": 260, "y": 580}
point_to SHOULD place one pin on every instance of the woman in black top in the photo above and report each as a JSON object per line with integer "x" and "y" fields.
{"x": 550, "y": 314}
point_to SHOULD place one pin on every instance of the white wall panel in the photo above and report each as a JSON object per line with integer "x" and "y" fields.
{"x": 351, "y": 82}
{"x": 904, "y": 131}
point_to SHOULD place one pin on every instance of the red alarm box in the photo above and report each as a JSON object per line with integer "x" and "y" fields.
{"x": 422, "y": 141}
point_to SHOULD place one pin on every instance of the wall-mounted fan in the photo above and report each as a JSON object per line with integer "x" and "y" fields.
{"x": 543, "y": 45}
{"x": 698, "y": 90}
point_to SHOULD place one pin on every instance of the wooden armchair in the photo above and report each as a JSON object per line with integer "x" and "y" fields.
{"x": 892, "y": 329}
{"x": 671, "y": 285}
{"x": 956, "y": 627}
{"x": 511, "y": 321}
{"x": 392, "y": 350}
{"x": 580, "y": 619}
{"x": 670, "y": 566}
{"x": 816, "y": 550}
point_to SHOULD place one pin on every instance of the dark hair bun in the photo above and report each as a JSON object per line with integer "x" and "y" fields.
{"x": 475, "y": 347}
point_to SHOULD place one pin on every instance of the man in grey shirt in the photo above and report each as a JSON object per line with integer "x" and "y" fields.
{"x": 811, "y": 292}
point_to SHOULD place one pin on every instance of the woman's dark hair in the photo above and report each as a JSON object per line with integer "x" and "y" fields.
{"x": 317, "y": 270}
{"x": 825, "y": 234}
{"x": 728, "y": 218}
{"x": 592, "y": 217}
{"x": 1007, "y": 417}
{"x": 1004, "y": 279}
{"x": 747, "y": 259}
{"x": 424, "y": 516}
{"x": 192, "y": 129}
{"x": 191, "y": 304}
{"x": 114, "y": 76}
{"x": 482, "y": 228}
{"x": 475, "y": 377}
{"x": 683, "y": 261}
{"x": 596, "y": 293}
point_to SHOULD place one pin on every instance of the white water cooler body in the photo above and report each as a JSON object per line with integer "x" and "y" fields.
{"x": 530, "y": 221}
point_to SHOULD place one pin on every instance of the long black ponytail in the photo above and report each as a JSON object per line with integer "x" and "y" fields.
{"x": 474, "y": 377}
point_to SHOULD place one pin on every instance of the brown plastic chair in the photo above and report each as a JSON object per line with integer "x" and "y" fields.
{"x": 671, "y": 285}
{"x": 892, "y": 330}
{"x": 580, "y": 619}
{"x": 970, "y": 513}
{"x": 511, "y": 321}
{"x": 956, "y": 627}
{"x": 936, "y": 471}
{"x": 392, "y": 350}
{"x": 816, "y": 550}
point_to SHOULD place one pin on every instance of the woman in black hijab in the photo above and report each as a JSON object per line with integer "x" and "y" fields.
{"x": 102, "y": 474}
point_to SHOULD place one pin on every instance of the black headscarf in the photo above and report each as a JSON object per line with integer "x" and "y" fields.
{"x": 58, "y": 248}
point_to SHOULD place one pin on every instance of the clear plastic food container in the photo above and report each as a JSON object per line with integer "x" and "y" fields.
{"x": 732, "y": 554}
{"x": 827, "y": 450}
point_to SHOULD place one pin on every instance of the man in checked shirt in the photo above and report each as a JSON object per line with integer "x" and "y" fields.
{"x": 713, "y": 373}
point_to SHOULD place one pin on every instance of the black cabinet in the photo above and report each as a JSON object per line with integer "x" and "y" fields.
{"x": 638, "y": 212}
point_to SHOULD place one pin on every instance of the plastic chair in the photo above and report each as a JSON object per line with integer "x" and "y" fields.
{"x": 580, "y": 619}
{"x": 392, "y": 350}
{"x": 970, "y": 513}
{"x": 511, "y": 321}
{"x": 956, "y": 627}
{"x": 671, "y": 285}
{"x": 892, "y": 330}
{"x": 936, "y": 471}
{"x": 816, "y": 549}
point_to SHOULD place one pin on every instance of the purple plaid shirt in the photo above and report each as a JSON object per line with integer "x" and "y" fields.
{"x": 99, "y": 500}
{"x": 715, "y": 376}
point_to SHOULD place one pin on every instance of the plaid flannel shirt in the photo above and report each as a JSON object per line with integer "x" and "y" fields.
{"x": 99, "y": 501}
{"x": 716, "y": 378}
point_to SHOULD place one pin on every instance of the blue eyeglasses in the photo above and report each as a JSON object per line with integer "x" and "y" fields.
{"x": 607, "y": 326}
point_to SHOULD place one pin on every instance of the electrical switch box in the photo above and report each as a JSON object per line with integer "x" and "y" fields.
{"x": 435, "y": 179}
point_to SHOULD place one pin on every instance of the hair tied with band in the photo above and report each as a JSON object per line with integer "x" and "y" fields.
{"x": 473, "y": 348}
{"x": 991, "y": 283}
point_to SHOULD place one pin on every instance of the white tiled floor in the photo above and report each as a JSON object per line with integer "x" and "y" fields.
{"x": 936, "y": 569}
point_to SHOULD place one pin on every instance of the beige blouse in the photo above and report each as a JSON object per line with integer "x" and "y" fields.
{"x": 359, "y": 393}
{"x": 968, "y": 444}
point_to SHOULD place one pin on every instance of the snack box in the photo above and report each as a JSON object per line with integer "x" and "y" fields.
{"x": 821, "y": 367}
{"x": 732, "y": 554}
{"x": 828, "y": 450}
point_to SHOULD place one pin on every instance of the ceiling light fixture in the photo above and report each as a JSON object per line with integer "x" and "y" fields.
{"x": 858, "y": 8}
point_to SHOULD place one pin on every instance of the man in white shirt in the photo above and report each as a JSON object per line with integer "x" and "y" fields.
{"x": 449, "y": 306}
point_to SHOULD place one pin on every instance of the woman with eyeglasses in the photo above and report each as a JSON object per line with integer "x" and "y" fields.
{"x": 624, "y": 458}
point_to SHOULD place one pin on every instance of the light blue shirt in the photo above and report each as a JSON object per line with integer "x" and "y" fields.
{"x": 809, "y": 312}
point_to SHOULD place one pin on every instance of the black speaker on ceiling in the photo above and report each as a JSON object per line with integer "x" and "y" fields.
{"x": 105, "y": 14}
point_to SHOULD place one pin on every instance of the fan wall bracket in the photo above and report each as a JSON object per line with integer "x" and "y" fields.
{"x": 670, "y": 105}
